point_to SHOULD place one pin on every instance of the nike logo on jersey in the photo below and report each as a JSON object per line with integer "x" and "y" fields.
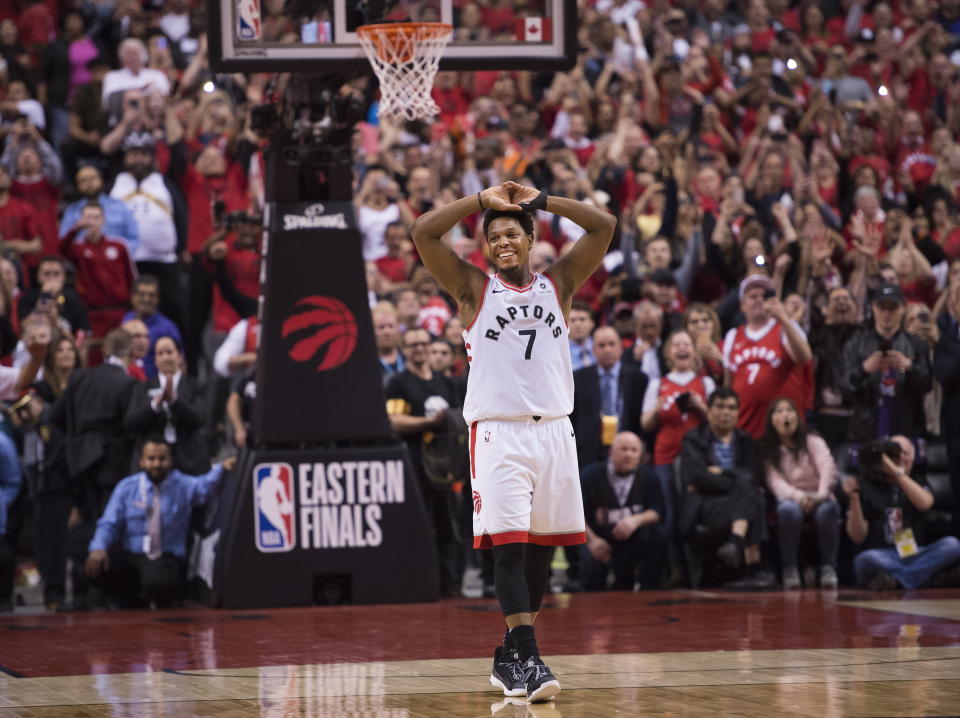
{"x": 497, "y": 291}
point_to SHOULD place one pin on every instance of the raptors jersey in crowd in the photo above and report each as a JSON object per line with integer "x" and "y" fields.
{"x": 760, "y": 368}
{"x": 674, "y": 422}
{"x": 518, "y": 352}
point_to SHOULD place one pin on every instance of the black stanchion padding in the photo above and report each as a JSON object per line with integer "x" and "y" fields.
{"x": 317, "y": 526}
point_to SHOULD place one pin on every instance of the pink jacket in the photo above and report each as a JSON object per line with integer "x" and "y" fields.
{"x": 813, "y": 471}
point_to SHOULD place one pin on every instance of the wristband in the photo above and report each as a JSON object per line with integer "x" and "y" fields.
{"x": 480, "y": 202}
{"x": 540, "y": 202}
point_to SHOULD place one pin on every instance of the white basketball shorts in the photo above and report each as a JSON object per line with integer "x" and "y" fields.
{"x": 526, "y": 486}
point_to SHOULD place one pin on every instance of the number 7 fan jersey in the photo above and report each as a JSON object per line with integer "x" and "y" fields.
{"x": 760, "y": 368}
{"x": 518, "y": 352}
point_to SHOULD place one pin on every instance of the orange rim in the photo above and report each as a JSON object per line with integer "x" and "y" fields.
{"x": 402, "y": 28}
{"x": 388, "y": 33}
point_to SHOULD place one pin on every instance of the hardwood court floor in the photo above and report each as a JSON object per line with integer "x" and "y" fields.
{"x": 678, "y": 653}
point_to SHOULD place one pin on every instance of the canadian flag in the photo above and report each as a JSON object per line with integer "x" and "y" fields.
{"x": 533, "y": 29}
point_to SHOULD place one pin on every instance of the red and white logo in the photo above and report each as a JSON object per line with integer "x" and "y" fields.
{"x": 322, "y": 328}
{"x": 534, "y": 29}
{"x": 476, "y": 502}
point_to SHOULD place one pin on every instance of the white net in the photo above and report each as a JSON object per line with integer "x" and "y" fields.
{"x": 406, "y": 57}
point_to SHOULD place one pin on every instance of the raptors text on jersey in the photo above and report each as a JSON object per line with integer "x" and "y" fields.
{"x": 518, "y": 351}
{"x": 759, "y": 367}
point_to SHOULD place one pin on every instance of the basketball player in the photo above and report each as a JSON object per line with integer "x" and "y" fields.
{"x": 526, "y": 490}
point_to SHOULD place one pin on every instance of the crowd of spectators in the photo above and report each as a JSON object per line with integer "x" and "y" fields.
{"x": 787, "y": 180}
{"x": 784, "y": 281}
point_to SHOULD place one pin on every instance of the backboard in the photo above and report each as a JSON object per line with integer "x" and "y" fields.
{"x": 320, "y": 35}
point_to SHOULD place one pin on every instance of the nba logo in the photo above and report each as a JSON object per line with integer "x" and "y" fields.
{"x": 248, "y": 19}
{"x": 273, "y": 526}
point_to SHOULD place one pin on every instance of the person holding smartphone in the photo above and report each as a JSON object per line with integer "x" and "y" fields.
{"x": 885, "y": 372}
{"x": 673, "y": 405}
{"x": 760, "y": 356}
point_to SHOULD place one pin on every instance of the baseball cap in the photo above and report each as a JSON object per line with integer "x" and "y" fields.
{"x": 755, "y": 280}
{"x": 139, "y": 141}
{"x": 621, "y": 307}
{"x": 662, "y": 276}
{"x": 888, "y": 293}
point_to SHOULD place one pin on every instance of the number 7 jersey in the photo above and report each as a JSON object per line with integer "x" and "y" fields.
{"x": 760, "y": 368}
{"x": 518, "y": 352}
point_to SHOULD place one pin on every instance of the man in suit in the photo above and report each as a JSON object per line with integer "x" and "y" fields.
{"x": 721, "y": 495}
{"x": 623, "y": 505}
{"x": 98, "y": 451}
{"x": 607, "y": 398}
{"x": 172, "y": 405}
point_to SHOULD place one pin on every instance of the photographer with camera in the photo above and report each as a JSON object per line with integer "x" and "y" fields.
{"x": 885, "y": 517}
{"x": 886, "y": 372}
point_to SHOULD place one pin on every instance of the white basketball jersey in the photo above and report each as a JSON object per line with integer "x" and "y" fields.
{"x": 519, "y": 353}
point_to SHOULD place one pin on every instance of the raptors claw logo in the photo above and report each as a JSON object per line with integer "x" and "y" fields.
{"x": 331, "y": 326}
{"x": 476, "y": 502}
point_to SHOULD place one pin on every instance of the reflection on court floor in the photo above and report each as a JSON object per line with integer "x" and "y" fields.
{"x": 894, "y": 657}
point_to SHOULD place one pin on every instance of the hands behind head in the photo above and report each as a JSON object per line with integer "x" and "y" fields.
{"x": 498, "y": 198}
{"x": 508, "y": 196}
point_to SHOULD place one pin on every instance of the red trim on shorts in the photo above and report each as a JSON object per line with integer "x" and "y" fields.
{"x": 514, "y": 287}
{"x": 483, "y": 295}
{"x": 473, "y": 450}
{"x": 489, "y": 541}
{"x": 557, "y": 294}
{"x": 571, "y": 539}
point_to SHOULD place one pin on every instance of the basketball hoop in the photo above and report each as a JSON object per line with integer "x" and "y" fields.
{"x": 406, "y": 56}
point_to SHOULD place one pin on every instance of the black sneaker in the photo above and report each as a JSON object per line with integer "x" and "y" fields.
{"x": 542, "y": 685}
{"x": 882, "y": 581}
{"x": 759, "y": 580}
{"x": 730, "y": 554}
{"x": 507, "y": 673}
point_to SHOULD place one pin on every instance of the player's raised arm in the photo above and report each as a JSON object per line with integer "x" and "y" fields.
{"x": 462, "y": 280}
{"x": 571, "y": 271}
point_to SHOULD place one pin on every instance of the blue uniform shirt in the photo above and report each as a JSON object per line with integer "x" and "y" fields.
{"x": 125, "y": 518}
